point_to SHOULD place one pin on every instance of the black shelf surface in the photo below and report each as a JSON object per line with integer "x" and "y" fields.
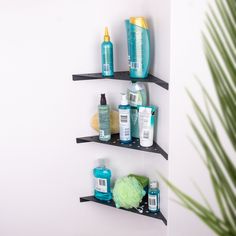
{"x": 141, "y": 211}
{"x": 121, "y": 75}
{"x": 116, "y": 142}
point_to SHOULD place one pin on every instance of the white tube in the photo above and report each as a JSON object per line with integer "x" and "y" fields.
{"x": 146, "y": 125}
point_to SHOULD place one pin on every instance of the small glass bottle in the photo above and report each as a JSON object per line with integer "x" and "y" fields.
{"x": 153, "y": 197}
{"x": 102, "y": 181}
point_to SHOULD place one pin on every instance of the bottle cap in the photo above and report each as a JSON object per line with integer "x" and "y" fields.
{"x": 124, "y": 100}
{"x": 139, "y": 21}
{"x": 100, "y": 162}
{"x": 103, "y": 100}
{"x": 106, "y": 35}
{"x": 153, "y": 184}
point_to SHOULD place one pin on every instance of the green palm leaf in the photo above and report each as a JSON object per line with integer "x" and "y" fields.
{"x": 220, "y": 52}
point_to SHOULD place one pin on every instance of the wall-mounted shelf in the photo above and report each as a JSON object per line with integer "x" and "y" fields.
{"x": 121, "y": 75}
{"x": 141, "y": 210}
{"x": 116, "y": 142}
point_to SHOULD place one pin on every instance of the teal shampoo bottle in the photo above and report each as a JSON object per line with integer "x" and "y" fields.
{"x": 139, "y": 47}
{"x": 102, "y": 181}
{"x": 124, "y": 120}
{"x": 104, "y": 120}
{"x": 107, "y": 56}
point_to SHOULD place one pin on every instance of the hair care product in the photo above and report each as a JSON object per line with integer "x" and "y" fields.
{"x": 124, "y": 120}
{"x": 138, "y": 37}
{"x": 107, "y": 56}
{"x": 146, "y": 125}
{"x": 104, "y": 119}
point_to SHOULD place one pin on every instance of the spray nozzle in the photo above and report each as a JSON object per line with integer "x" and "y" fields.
{"x": 106, "y": 35}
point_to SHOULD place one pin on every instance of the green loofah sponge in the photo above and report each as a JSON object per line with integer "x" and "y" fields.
{"x": 143, "y": 180}
{"x": 128, "y": 192}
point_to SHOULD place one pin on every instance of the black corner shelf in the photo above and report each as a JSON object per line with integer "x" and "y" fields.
{"x": 142, "y": 211}
{"x": 115, "y": 141}
{"x": 121, "y": 75}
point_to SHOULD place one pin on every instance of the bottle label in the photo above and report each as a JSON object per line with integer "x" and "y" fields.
{"x": 153, "y": 202}
{"x": 145, "y": 134}
{"x": 107, "y": 68}
{"x": 124, "y": 118}
{"x": 101, "y": 185}
{"x": 135, "y": 98}
{"x": 104, "y": 123}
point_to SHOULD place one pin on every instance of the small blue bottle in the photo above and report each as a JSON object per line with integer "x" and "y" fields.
{"x": 107, "y": 56}
{"x": 124, "y": 120}
{"x": 153, "y": 197}
{"x": 102, "y": 181}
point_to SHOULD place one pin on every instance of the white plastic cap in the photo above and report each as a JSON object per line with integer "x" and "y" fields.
{"x": 124, "y": 100}
{"x": 153, "y": 184}
{"x": 100, "y": 162}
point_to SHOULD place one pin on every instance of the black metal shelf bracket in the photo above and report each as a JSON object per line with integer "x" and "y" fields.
{"x": 142, "y": 210}
{"x": 121, "y": 75}
{"x": 115, "y": 141}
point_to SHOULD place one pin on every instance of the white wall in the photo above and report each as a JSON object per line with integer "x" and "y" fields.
{"x": 43, "y": 171}
{"x": 187, "y": 61}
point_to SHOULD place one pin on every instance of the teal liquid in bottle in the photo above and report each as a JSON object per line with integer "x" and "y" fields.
{"x": 107, "y": 56}
{"x": 104, "y": 120}
{"x": 137, "y": 95}
{"x": 102, "y": 181}
{"x": 139, "y": 47}
{"x": 124, "y": 120}
{"x": 153, "y": 197}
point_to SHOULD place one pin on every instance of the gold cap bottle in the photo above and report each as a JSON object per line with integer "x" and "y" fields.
{"x": 139, "y": 21}
{"x": 106, "y": 35}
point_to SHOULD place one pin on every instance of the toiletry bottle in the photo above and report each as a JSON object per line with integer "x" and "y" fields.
{"x": 153, "y": 197}
{"x": 127, "y": 24}
{"x": 124, "y": 120}
{"x": 107, "y": 56}
{"x": 137, "y": 95}
{"x": 139, "y": 48}
{"x": 146, "y": 115}
{"x": 102, "y": 181}
{"x": 104, "y": 119}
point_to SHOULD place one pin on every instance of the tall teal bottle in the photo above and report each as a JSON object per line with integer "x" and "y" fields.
{"x": 124, "y": 120}
{"x": 104, "y": 119}
{"x": 107, "y": 56}
{"x": 139, "y": 47}
{"x": 102, "y": 181}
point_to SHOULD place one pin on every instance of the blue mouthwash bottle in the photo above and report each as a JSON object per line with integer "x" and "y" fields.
{"x": 102, "y": 181}
{"x": 107, "y": 56}
{"x": 153, "y": 197}
{"x": 124, "y": 120}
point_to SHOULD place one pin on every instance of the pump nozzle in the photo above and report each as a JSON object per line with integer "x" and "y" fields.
{"x": 106, "y": 35}
{"x": 103, "y": 100}
{"x": 124, "y": 100}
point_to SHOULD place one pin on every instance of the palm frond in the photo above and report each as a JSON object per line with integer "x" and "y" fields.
{"x": 220, "y": 53}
